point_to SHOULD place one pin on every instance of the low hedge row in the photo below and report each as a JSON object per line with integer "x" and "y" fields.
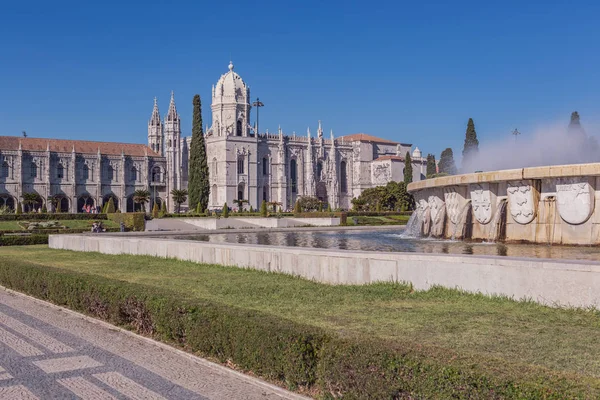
{"x": 23, "y": 240}
{"x": 51, "y": 217}
{"x": 55, "y": 231}
{"x": 295, "y": 354}
{"x": 377, "y": 214}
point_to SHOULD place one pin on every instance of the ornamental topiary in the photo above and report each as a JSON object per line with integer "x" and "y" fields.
{"x": 155, "y": 210}
{"x": 19, "y": 209}
{"x": 263, "y": 209}
{"x": 225, "y": 211}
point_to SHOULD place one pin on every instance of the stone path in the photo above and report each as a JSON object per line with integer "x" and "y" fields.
{"x": 47, "y": 352}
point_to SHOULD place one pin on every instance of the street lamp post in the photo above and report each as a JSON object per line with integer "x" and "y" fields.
{"x": 258, "y": 104}
{"x": 516, "y": 133}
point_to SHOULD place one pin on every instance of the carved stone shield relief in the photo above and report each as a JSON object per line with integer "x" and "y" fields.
{"x": 481, "y": 202}
{"x": 454, "y": 204}
{"x": 574, "y": 199}
{"x": 521, "y": 201}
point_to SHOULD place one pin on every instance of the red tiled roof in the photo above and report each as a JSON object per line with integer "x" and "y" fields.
{"x": 81, "y": 146}
{"x": 363, "y": 137}
{"x": 393, "y": 158}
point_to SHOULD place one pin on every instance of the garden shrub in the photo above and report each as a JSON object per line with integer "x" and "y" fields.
{"x": 133, "y": 221}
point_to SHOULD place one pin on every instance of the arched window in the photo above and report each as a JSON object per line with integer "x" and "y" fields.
{"x": 215, "y": 171}
{"x": 156, "y": 174}
{"x": 265, "y": 166}
{"x": 5, "y": 170}
{"x": 85, "y": 172}
{"x": 134, "y": 174}
{"x": 110, "y": 173}
{"x": 60, "y": 171}
{"x": 266, "y": 193}
{"x": 241, "y": 190}
{"x": 343, "y": 177}
{"x": 319, "y": 170}
{"x": 238, "y": 130}
{"x": 294, "y": 176}
{"x": 240, "y": 165}
{"x": 33, "y": 169}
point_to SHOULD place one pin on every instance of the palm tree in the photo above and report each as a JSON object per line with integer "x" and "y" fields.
{"x": 141, "y": 196}
{"x": 30, "y": 199}
{"x": 179, "y": 196}
{"x": 240, "y": 204}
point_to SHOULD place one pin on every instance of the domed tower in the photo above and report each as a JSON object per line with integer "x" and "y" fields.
{"x": 231, "y": 147}
{"x": 230, "y": 106}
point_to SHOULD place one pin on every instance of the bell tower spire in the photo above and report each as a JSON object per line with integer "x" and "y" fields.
{"x": 155, "y": 130}
{"x": 172, "y": 146}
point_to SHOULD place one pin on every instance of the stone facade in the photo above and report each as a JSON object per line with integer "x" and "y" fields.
{"x": 243, "y": 163}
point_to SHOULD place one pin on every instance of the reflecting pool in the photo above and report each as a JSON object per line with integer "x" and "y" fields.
{"x": 392, "y": 240}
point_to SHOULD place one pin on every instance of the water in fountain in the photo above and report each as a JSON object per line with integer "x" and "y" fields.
{"x": 496, "y": 226}
{"x": 461, "y": 219}
{"x": 413, "y": 226}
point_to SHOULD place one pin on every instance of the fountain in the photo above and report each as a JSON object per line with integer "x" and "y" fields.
{"x": 549, "y": 205}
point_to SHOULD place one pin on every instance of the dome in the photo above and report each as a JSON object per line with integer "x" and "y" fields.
{"x": 416, "y": 153}
{"x": 230, "y": 88}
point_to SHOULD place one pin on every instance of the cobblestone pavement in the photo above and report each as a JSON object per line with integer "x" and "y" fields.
{"x": 47, "y": 352}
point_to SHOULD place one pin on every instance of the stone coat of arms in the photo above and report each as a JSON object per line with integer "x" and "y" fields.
{"x": 454, "y": 204}
{"x": 521, "y": 201}
{"x": 481, "y": 203}
{"x": 574, "y": 199}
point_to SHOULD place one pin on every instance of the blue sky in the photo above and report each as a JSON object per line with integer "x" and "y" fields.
{"x": 407, "y": 71}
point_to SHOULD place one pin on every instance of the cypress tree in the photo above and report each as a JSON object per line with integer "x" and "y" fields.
{"x": 110, "y": 208}
{"x": 44, "y": 209}
{"x": 155, "y": 210}
{"x": 408, "y": 170}
{"x": 251, "y": 209}
{"x": 225, "y": 211}
{"x": 297, "y": 207}
{"x": 471, "y": 146}
{"x": 163, "y": 208}
{"x": 447, "y": 164}
{"x": 431, "y": 170}
{"x": 19, "y": 209}
{"x": 263, "y": 209}
{"x": 199, "y": 185}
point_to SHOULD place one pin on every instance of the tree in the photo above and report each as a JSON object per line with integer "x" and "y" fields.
{"x": 297, "y": 207}
{"x": 447, "y": 164}
{"x": 329, "y": 208}
{"x": 225, "y": 210}
{"x": 155, "y": 210}
{"x": 471, "y": 146}
{"x": 408, "y": 169}
{"x": 251, "y": 209}
{"x": 391, "y": 197}
{"x": 575, "y": 124}
{"x": 141, "y": 197}
{"x": 240, "y": 204}
{"x": 163, "y": 209}
{"x": 44, "y": 209}
{"x": 199, "y": 185}
{"x": 431, "y": 169}
{"x": 19, "y": 208}
{"x": 263, "y": 209}
{"x": 29, "y": 200}
{"x": 179, "y": 196}
{"x": 110, "y": 208}
{"x": 309, "y": 203}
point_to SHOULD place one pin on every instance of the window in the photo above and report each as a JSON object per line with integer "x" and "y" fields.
{"x": 293, "y": 176}
{"x": 60, "y": 171}
{"x": 156, "y": 174}
{"x": 85, "y": 172}
{"x": 110, "y": 173}
{"x": 239, "y": 128}
{"x": 265, "y": 166}
{"x": 134, "y": 174}
{"x": 319, "y": 170}
{"x": 343, "y": 177}
{"x": 214, "y": 169}
{"x": 240, "y": 165}
{"x": 34, "y": 170}
{"x": 5, "y": 170}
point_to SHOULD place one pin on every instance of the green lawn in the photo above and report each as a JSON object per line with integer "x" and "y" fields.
{"x": 497, "y": 328}
{"x": 71, "y": 224}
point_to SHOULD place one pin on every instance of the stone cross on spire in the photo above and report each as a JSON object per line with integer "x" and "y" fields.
{"x": 155, "y": 118}
{"x": 172, "y": 113}
{"x": 320, "y": 131}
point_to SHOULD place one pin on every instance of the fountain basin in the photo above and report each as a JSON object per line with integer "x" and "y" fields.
{"x": 550, "y": 205}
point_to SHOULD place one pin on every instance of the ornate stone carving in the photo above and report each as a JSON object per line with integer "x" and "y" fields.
{"x": 481, "y": 202}
{"x": 575, "y": 199}
{"x": 454, "y": 203}
{"x": 437, "y": 209}
{"x": 521, "y": 201}
{"x": 424, "y": 214}
{"x": 381, "y": 174}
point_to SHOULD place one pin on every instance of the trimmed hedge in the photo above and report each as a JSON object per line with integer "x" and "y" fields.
{"x": 22, "y": 240}
{"x": 376, "y": 213}
{"x": 51, "y": 217}
{"x": 133, "y": 221}
{"x": 57, "y": 231}
{"x": 299, "y": 355}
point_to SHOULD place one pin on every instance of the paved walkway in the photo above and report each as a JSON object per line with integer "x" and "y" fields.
{"x": 47, "y": 352}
